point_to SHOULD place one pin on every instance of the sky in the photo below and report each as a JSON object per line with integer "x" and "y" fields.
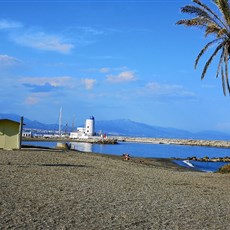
{"x": 108, "y": 59}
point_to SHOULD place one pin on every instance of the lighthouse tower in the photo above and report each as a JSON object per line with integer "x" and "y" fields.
{"x": 89, "y": 126}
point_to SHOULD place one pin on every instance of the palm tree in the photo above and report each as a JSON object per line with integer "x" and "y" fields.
{"x": 214, "y": 24}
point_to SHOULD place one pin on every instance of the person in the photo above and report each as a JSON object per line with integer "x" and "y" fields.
{"x": 125, "y": 156}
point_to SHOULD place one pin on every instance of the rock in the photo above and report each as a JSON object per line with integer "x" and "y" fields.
{"x": 224, "y": 169}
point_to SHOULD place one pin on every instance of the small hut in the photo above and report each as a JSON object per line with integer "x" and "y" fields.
{"x": 10, "y": 134}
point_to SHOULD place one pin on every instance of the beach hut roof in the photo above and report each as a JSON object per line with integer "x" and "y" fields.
{"x": 9, "y": 120}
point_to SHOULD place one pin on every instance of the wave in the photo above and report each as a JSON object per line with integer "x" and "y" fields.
{"x": 188, "y": 163}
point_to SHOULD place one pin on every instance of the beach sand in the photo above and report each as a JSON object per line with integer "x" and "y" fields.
{"x": 72, "y": 190}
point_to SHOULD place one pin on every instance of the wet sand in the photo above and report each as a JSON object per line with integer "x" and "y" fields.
{"x": 72, "y": 190}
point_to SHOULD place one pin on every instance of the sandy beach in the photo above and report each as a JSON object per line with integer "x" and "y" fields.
{"x": 72, "y": 190}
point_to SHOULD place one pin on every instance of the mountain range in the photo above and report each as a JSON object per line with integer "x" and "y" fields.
{"x": 126, "y": 127}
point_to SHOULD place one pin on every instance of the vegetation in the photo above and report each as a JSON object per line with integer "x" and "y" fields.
{"x": 225, "y": 169}
{"x": 217, "y": 25}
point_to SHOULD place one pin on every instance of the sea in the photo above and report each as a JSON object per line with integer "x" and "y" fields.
{"x": 149, "y": 150}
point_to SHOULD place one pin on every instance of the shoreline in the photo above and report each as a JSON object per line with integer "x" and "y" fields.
{"x": 162, "y": 162}
{"x": 167, "y": 163}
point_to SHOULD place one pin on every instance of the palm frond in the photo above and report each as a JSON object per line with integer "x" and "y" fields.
{"x": 214, "y": 29}
{"x": 220, "y": 63}
{"x": 210, "y": 60}
{"x": 210, "y": 11}
{"x": 203, "y": 22}
{"x": 204, "y": 50}
{"x": 197, "y": 11}
{"x": 222, "y": 32}
{"x": 224, "y": 8}
{"x": 223, "y": 82}
{"x": 226, "y": 65}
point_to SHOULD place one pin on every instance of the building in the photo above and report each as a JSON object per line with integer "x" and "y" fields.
{"x": 85, "y": 132}
{"x": 90, "y": 126}
{"x": 27, "y": 134}
{"x": 10, "y": 134}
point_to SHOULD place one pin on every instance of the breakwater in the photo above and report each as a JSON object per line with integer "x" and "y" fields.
{"x": 191, "y": 142}
{"x": 208, "y": 159}
{"x": 116, "y": 139}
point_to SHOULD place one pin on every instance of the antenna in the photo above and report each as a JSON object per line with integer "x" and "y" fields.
{"x": 60, "y": 121}
{"x": 66, "y": 128}
{"x": 72, "y": 129}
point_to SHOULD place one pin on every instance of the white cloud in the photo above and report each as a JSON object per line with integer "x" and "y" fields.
{"x": 125, "y": 76}
{"x": 32, "y": 100}
{"x": 35, "y": 39}
{"x": 104, "y": 70}
{"x": 88, "y": 83}
{"x": 167, "y": 89}
{"x": 42, "y": 41}
{"x": 7, "y": 24}
{"x": 163, "y": 88}
{"x": 6, "y": 60}
{"x": 35, "y": 98}
{"x": 90, "y": 30}
{"x": 38, "y": 39}
{"x": 64, "y": 81}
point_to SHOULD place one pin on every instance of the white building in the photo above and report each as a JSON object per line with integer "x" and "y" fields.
{"x": 76, "y": 135}
{"x": 85, "y": 132}
{"x": 81, "y": 130}
{"x": 27, "y": 134}
{"x": 89, "y": 126}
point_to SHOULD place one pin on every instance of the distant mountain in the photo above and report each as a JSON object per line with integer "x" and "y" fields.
{"x": 125, "y": 127}
{"x": 10, "y": 116}
{"x": 29, "y": 123}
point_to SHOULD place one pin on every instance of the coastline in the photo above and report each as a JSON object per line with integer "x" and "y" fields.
{"x": 115, "y": 139}
{"x": 75, "y": 190}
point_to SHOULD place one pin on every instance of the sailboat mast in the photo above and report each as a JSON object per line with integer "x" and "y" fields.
{"x": 60, "y": 121}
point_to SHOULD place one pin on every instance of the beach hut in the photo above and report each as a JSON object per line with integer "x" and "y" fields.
{"x": 10, "y": 134}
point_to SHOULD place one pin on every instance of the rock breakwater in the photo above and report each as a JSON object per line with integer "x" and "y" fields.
{"x": 213, "y": 159}
{"x": 191, "y": 142}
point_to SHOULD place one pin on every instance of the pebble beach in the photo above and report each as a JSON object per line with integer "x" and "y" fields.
{"x": 51, "y": 189}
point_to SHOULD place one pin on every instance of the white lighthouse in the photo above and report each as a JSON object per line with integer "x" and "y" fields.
{"x": 85, "y": 132}
{"x": 89, "y": 126}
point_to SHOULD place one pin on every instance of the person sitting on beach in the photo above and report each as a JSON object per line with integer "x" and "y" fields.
{"x": 125, "y": 156}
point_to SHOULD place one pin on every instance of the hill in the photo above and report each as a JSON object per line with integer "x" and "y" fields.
{"x": 126, "y": 127}
{"x": 32, "y": 124}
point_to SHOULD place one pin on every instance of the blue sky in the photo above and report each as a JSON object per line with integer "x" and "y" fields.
{"x": 109, "y": 59}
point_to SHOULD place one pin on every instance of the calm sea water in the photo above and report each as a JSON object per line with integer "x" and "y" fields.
{"x": 147, "y": 150}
